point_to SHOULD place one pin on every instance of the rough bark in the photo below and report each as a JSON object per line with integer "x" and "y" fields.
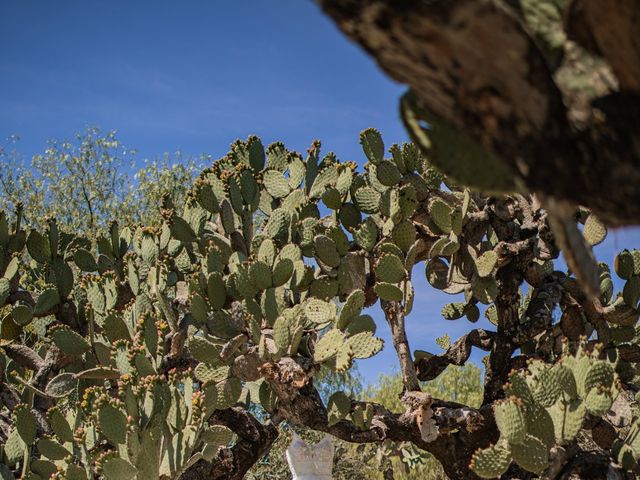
{"x": 302, "y": 405}
{"x": 456, "y": 354}
{"x": 395, "y": 318}
{"x": 475, "y": 64}
{"x": 254, "y": 440}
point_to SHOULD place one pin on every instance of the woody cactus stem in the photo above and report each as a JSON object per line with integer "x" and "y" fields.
{"x": 395, "y": 318}
{"x": 560, "y": 110}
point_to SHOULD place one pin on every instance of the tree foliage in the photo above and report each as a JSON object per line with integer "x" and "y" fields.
{"x": 143, "y": 350}
{"x": 87, "y": 182}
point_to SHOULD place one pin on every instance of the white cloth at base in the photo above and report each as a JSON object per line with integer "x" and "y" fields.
{"x": 310, "y": 462}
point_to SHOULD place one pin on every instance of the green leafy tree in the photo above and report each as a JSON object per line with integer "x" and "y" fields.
{"x": 87, "y": 182}
{"x": 144, "y": 350}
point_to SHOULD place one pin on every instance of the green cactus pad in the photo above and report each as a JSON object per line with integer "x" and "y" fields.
{"x": 510, "y": 419}
{"x": 343, "y": 358}
{"x": 361, "y": 323}
{"x": 598, "y": 401}
{"x": 204, "y": 350}
{"x": 472, "y": 312}
{"x": 631, "y": 291}
{"x": 387, "y": 173}
{"x": 390, "y": 269}
{"x": 531, "y": 454}
{"x": 367, "y": 199}
{"x": 282, "y": 271}
{"x": 69, "y": 341}
{"x": 217, "y": 435}
{"x": 181, "y": 230}
{"x": 364, "y": 345}
{"x": 454, "y": 311}
{"x": 491, "y": 462}
{"x": 149, "y": 249}
{"x": 404, "y": 235}
{"x": 389, "y": 292}
{"x": 116, "y": 468}
{"x": 332, "y": 198}
{"x": 52, "y": 449}
{"x": 367, "y": 235}
{"x": 599, "y": 374}
{"x": 485, "y": 263}
{"x": 594, "y": 230}
{"x": 484, "y": 289}
{"x": 277, "y": 186}
{"x": 547, "y": 387}
{"x": 38, "y": 247}
{"x": 328, "y": 345}
{"x": 320, "y": 312}
{"x": 567, "y": 380}
{"x": 59, "y": 425}
{"x": 47, "y": 300}
{"x": 518, "y": 387}
{"x": 206, "y": 197}
{"x": 540, "y": 424}
{"x": 210, "y": 374}
{"x": 624, "y": 265}
{"x": 85, "y": 260}
{"x": 351, "y": 308}
{"x": 324, "y": 288}
{"x": 326, "y": 250}
{"x": 216, "y": 291}
{"x": 567, "y": 419}
{"x": 25, "y": 422}
{"x": 440, "y": 214}
{"x": 635, "y": 254}
{"x": 267, "y": 251}
{"x": 338, "y": 408}
{"x": 372, "y": 144}
{"x": 113, "y": 424}
{"x": 260, "y": 274}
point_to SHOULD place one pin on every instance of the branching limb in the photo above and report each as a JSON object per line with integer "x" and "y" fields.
{"x": 456, "y": 354}
{"x": 254, "y": 440}
{"x": 395, "y": 318}
{"x": 299, "y": 403}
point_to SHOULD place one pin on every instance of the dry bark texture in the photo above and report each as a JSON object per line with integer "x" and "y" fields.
{"x": 566, "y": 121}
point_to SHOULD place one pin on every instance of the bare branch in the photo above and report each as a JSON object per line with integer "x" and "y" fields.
{"x": 456, "y": 354}
{"x": 395, "y": 318}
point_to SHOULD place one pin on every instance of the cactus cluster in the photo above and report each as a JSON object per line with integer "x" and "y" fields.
{"x": 145, "y": 331}
{"x": 119, "y": 349}
{"x": 546, "y": 405}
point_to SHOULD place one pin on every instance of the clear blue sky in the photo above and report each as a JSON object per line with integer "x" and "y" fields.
{"x": 196, "y": 75}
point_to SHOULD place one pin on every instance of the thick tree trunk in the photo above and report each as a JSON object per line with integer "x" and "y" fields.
{"x": 474, "y": 64}
{"x": 254, "y": 440}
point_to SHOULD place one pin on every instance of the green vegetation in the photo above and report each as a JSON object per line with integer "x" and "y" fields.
{"x": 178, "y": 341}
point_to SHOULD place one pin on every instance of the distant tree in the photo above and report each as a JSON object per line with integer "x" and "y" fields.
{"x": 86, "y": 182}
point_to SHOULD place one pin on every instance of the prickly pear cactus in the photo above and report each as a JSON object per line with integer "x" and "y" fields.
{"x": 546, "y": 406}
{"x": 124, "y": 354}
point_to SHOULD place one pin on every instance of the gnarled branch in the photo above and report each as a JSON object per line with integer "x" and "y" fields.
{"x": 474, "y": 64}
